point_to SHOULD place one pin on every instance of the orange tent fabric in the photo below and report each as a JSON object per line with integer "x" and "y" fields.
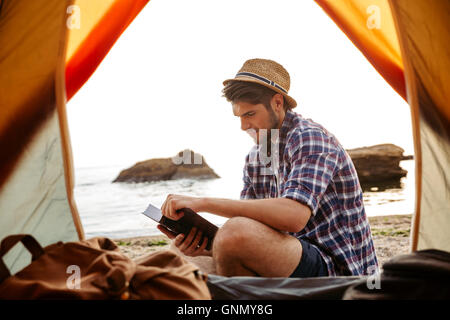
{"x": 101, "y": 24}
{"x": 369, "y": 25}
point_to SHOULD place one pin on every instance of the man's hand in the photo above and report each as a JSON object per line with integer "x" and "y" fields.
{"x": 175, "y": 202}
{"x": 193, "y": 245}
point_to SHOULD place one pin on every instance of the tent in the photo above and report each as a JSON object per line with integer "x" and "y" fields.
{"x": 45, "y": 58}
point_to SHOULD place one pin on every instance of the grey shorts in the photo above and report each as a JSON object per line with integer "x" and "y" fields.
{"x": 311, "y": 263}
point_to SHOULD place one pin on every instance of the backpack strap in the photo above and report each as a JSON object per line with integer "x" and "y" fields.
{"x": 28, "y": 241}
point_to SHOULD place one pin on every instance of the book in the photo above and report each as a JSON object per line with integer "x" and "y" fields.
{"x": 184, "y": 225}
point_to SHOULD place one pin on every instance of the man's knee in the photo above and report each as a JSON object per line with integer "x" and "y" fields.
{"x": 232, "y": 235}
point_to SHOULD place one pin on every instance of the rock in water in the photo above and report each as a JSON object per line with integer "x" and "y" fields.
{"x": 186, "y": 164}
{"x": 379, "y": 163}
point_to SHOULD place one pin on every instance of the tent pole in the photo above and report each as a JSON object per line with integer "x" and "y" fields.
{"x": 64, "y": 130}
{"x": 412, "y": 98}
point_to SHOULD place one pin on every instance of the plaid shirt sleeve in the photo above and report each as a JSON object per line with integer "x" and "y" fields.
{"x": 313, "y": 161}
{"x": 248, "y": 191}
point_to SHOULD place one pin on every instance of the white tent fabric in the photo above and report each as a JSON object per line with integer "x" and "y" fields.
{"x": 434, "y": 204}
{"x": 423, "y": 29}
{"x": 37, "y": 196}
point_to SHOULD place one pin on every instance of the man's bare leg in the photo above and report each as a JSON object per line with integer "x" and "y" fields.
{"x": 246, "y": 247}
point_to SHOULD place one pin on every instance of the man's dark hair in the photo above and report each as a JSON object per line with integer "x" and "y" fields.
{"x": 250, "y": 92}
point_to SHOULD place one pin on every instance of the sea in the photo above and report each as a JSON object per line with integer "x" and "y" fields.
{"x": 114, "y": 210}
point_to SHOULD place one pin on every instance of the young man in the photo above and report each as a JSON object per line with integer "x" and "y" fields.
{"x": 301, "y": 212}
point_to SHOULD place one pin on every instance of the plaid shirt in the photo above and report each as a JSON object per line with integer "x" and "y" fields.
{"x": 315, "y": 170}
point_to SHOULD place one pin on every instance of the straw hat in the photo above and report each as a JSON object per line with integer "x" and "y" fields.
{"x": 267, "y": 73}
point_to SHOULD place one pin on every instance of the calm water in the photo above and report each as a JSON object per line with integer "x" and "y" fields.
{"x": 114, "y": 209}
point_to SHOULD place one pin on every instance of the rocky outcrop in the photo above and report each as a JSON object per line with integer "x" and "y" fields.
{"x": 186, "y": 164}
{"x": 378, "y": 164}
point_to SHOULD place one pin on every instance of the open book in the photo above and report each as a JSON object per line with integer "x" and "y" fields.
{"x": 189, "y": 220}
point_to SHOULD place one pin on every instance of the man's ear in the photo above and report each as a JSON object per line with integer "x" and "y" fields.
{"x": 278, "y": 102}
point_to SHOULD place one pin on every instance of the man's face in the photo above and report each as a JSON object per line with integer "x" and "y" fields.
{"x": 255, "y": 117}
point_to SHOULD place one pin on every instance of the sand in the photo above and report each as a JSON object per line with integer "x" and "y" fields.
{"x": 390, "y": 235}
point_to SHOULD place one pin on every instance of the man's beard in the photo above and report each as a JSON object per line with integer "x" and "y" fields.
{"x": 273, "y": 124}
{"x": 273, "y": 119}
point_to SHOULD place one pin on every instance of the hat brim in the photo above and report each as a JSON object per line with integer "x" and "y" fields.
{"x": 291, "y": 101}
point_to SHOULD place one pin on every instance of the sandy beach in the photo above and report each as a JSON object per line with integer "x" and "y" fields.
{"x": 390, "y": 235}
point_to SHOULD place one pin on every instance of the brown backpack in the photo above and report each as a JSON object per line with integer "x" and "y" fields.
{"x": 96, "y": 269}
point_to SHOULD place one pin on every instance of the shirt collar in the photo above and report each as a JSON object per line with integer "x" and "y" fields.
{"x": 286, "y": 125}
